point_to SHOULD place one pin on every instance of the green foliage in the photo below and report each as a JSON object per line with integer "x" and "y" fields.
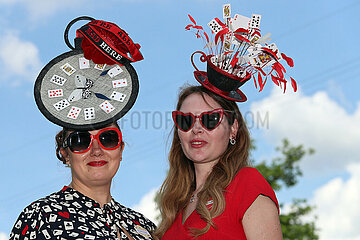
{"x": 284, "y": 172}
{"x": 291, "y": 225}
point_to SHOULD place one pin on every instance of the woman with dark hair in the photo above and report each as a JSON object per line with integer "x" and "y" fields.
{"x": 209, "y": 191}
{"x": 76, "y": 90}
{"x": 85, "y": 208}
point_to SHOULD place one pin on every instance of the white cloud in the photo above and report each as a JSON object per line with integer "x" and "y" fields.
{"x": 337, "y": 207}
{"x": 19, "y": 57}
{"x": 314, "y": 121}
{"x": 43, "y": 8}
{"x": 147, "y": 206}
{"x": 4, "y": 236}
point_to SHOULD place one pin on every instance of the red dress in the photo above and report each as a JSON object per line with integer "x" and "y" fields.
{"x": 247, "y": 185}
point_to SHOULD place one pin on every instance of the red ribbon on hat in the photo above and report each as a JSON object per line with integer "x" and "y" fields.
{"x": 106, "y": 43}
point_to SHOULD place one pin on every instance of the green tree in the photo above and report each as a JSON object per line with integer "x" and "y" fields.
{"x": 283, "y": 172}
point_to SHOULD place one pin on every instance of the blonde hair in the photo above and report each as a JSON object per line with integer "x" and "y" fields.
{"x": 179, "y": 184}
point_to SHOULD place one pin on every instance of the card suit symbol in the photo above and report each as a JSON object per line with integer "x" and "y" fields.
{"x": 25, "y": 230}
{"x": 64, "y": 214}
{"x": 104, "y": 72}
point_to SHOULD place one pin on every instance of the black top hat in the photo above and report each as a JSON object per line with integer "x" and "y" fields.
{"x": 94, "y": 84}
{"x": 220, "y": 82}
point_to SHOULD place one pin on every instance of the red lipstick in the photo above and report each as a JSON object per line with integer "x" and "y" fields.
{"x": 97, "y": 163}
{"x": 197, "y": 143}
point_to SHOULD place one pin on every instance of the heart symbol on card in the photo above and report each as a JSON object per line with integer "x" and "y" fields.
{"x": 64, "y": 214}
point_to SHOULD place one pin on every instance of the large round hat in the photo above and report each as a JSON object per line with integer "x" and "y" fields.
{"x": 94, "y": 84}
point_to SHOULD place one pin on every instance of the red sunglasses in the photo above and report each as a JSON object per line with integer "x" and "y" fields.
{"x": 209, "y": 120}
{"x": 81, "y": 141}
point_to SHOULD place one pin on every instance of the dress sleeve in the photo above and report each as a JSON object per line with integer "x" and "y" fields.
{"x": 248, "y": 185}
{"x": 28, "y": 224}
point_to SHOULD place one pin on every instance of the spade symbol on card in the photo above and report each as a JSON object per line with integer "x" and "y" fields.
{"x": 58, "y": 80}
{"x": 118, "y": 96}
{"x": 61, "y": 104}
{"x": 114, "y": 71}
{"x": 68, "y": 225}
{"x": 89, "y": 113}
{"x": 75, "y": 95}
{"x": 214, "y": 26}
{"x": 255, "y": 21}
{"x": 80, "y": 81}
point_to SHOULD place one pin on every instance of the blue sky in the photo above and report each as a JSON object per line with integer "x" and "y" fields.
{"x": 321, "y": 37}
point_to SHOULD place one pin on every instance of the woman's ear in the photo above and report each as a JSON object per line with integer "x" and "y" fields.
{"x": 122, "y": 146}
{"x": 233, "y": 129}
{"x": 65, "y": 155}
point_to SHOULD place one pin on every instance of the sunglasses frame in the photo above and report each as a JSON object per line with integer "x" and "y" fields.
{"x": 194, "y": 117}
{"x": 66, "y": 142}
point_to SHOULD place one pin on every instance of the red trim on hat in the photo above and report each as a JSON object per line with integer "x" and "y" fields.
{"x": 215, "y": 90}
{"x": 122, "y": 36}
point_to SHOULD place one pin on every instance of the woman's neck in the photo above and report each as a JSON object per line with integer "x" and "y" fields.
{"x": 100, "y": 193}
{"x": 202, "y": 171}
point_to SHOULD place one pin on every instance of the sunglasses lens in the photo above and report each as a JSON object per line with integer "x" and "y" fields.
{"x": 109, "y": 139}
{"x": 184, "y": 122}
{"x": 79, "y": 141}
{"x": 210, "y": 120}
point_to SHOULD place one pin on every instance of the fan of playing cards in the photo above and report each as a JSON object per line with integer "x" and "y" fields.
{"x": 240, "y": 52}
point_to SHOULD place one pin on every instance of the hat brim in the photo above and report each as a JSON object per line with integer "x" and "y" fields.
{"x": 236, "y": 95}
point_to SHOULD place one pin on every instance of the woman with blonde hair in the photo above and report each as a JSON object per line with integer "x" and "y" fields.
{"x": 209, "y": 192}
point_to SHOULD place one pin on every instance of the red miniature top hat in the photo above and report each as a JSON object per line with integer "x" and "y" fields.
{"x": 219, "y": 81}
{"x": 236, "y": 54}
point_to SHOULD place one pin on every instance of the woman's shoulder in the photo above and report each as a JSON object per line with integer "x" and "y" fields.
{"x": 139, "y": 218}
{"x": 247, "y": 185}
{"x": 52, "y": 198}
{"x": 249, "y": 179}
{"x": 248, "y": 174}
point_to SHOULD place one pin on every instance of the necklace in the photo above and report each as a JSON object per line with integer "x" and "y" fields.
{"x": 192, "y": 199}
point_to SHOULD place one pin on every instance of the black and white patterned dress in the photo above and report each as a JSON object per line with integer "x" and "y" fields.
{"x": 68, "y": 214}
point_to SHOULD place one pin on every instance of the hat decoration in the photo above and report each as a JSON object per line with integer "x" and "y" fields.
{"x": 94, "y": 84}
{"x": 238, "y": 53}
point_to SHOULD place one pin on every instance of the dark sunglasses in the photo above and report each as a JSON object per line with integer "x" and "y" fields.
{"x": 81, "y": 141}
{"x": 209, "y": 120}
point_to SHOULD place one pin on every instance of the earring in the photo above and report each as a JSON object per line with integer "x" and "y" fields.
{"x": 68, "y": 164}
{"x": 232, "y": 141}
